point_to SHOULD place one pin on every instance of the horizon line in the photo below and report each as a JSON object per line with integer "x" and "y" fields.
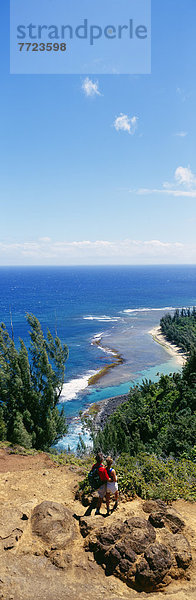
{"x": 100, "y": 265}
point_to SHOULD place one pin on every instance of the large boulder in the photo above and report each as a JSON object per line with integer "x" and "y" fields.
{"x": 118, "y": 546}
{"x": 129, "y": 550}
{"x": 54, "y": 524}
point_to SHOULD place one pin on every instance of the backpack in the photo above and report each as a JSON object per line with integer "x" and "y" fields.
{"x": 93, "y": 478}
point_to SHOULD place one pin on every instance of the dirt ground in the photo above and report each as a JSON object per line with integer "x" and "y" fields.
{"x": 26, "y": 572}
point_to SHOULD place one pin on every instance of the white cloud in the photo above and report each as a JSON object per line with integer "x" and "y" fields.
{"x": 125, "y": 123}
{"x": 184, "y": 176}
{"x": 181, "y": 134}
{"x": 175, "y": 193}
{"x": 128, "y": 251}
{"x": 90, "y": 88}
{"x": 184, "y": 185}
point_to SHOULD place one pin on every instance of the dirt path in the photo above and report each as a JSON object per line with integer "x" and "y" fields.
{"x": 13, "y": 462}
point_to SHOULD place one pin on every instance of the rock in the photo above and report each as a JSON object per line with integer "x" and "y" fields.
{"x": 157, "y": 519}
{"x": 112, "y": 557}
{"x": 142, "y": 574}
{"x": 60, "y": 559}
{"x": 125, "y": 566}
{"x": 88, "y": 524}
{"x": 150, "y": 506}
{"x": 174, "y": 521}
{"x": 158, "y": 558}
{"x": 180, "y": 546}
{"x": 128, "y": 549}
{"x": 152, "y": 569}
{"x": 118, "y": 528}
{"x": 54, "y": 524}
{"x": 118, "y": 545}
{"x": 106, "y": 537}
{"x": 169, "y": 518}
{"x": 139, "y": 534}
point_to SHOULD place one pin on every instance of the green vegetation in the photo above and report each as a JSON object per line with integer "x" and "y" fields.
{"x": 149, "y": 476}
{"x": 30, "y": 387}
{"x": 181, "y": 328}
{"x": 158, "y": 418}
{"x": 153, "y": 434}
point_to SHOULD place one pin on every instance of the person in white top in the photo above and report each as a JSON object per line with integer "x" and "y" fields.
{"x": 111, "y": 486}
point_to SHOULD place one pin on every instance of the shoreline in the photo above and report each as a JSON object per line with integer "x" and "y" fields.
{"x": 171, "y": 348}
{"x": 99, "y": 412}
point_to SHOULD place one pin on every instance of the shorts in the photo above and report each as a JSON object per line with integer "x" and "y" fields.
{"x": 112, "y": 487}
{"x": 102, "y": 491}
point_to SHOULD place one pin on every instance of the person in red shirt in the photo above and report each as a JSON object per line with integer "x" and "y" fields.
{"x": 104, "y": 478}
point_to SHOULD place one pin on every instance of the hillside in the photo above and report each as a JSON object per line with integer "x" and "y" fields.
{"x": 32, "y": 568}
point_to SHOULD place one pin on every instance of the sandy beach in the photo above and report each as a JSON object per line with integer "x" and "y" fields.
{"x": 174, "y": 350}
{"x": 101, "y": 411}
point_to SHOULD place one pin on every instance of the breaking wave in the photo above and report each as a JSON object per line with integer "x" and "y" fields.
{"x": 72, "y": 388}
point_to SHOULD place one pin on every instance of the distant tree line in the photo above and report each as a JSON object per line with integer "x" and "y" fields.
{"x": 181, "y": 328}
{"x": 30, "y": 386}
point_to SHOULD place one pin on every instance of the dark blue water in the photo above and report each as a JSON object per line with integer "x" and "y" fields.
{"x": 85, "y": 301}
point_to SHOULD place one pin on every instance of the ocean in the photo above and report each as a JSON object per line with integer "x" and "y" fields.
{"x": 116, "y": 305}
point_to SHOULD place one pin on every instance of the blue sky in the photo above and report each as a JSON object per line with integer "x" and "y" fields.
{"x": 102, "y": 169}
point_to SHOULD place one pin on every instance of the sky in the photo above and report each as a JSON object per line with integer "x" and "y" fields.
{"x": 102, "y": 169}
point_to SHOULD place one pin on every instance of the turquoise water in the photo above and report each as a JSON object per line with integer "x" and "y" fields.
{"x": 70, "y": 441}
{"x": 118, "y": 304}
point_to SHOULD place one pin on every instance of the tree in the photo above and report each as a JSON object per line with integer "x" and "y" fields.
{"x": 157, "y": 418}
{"x": 3, "y": 430}
{"x": 19, "y": 433}
{"x": 181, "y": 328}
{"x": 30, "y": 387}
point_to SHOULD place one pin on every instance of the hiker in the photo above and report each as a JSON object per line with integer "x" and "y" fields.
{"x": 112, "y": 485}
{"x": 99, "y": 471}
